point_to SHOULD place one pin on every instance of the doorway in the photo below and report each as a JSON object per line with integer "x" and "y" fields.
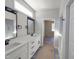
{"x": 48, "y": 32}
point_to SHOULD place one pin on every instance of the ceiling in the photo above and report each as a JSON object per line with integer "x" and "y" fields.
{"x": 43, "y": 4}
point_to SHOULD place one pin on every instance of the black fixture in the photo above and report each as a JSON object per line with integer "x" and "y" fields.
{"x": 7, "y": 42}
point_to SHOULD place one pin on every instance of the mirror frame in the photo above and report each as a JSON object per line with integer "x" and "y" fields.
{"x": 29, "y": 18}
{"x": 13, "y": 12}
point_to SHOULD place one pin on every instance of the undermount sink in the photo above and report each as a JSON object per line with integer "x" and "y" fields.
{"x": 13, "y": 45}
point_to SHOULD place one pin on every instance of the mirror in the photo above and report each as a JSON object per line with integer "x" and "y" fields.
{"x": 10, "y": 23}
{"x": 30, "y": 26}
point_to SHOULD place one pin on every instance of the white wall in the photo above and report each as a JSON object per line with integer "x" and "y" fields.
{"x": 57, "y": 24}
{"x": 51, "y": 13}
{"x": 9, "y": 3}
{"x": 21, "y": 20}
{"x": 65, "y": 13}
{"x": 27, "y": 6}
{"x": 62, "y": 8}
{"x": 42, "y": 15}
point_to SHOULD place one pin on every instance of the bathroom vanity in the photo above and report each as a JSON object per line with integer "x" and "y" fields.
{"x": 34, "y": 44}
{"x": 16, "y": 51}
{"x": 22, "y": 49}
{"x": 21, "y": 46}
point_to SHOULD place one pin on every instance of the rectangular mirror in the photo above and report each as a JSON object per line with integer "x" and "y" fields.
{"x": 10, "y": 23}
{"x": 30, "y": 26}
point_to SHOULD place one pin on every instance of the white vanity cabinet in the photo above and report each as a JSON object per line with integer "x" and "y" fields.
{"x": 34, "y": 44}
{"x": 24, "y": 50}
{"x": 19, "y": 53}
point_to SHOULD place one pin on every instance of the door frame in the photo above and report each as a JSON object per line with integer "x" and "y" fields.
{"x": 67, "y": 28}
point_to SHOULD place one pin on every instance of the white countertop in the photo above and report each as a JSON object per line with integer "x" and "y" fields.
{"x": 22, "y": 40}
{"x": 8, "y": 51}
